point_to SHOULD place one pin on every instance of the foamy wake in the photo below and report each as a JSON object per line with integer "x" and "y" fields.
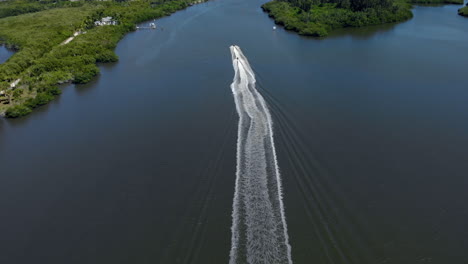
{"x": 259, "y": 231}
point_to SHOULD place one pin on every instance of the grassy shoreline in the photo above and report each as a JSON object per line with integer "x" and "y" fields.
{"x": 41, "y": 63}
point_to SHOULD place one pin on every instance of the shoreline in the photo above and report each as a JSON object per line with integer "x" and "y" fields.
{"x": 87, "y": 50}
{"x": 463, "y": 11}
{"x": 289, "y": 17}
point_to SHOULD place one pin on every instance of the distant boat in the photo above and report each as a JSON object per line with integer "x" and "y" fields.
{"x": 274, "y": 27}
{"x": 152, "y": 25}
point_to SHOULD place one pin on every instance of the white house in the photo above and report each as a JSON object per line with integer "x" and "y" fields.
{"x": 105, "y": 21}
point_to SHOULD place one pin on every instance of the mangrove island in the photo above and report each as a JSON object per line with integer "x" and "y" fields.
{"x": 318, "y": 17}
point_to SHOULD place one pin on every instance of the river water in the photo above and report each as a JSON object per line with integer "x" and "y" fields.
{"x": 5, "y": 54}
{"x": 139, "y": 165}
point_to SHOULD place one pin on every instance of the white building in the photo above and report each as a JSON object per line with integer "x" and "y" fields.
{"x": 105, "y": 21}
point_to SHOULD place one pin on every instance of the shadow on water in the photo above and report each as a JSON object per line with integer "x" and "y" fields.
{"x": 82, "y": 89}
{"x": 362, "y": 33}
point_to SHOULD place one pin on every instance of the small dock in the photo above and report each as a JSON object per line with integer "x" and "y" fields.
{"x": 150, "y": 26}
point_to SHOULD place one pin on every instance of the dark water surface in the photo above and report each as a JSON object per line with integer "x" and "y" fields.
{"x": 139, "y": 166}
{"x": 5, "y": 54}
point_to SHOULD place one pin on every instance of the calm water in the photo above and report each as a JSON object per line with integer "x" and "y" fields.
{"x": 5, "y": 54}
{"x": 139, "y": 165}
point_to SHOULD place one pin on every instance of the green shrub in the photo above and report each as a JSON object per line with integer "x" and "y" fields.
{"x": 107, "y": 56}
{"x": 40, "y": 99}
{"x": 17, "y": 111}
{"x": 313, "y": 30}
{"x": 85, "y": 74}
{"x": 54, "y": 91}
{"x": 463, "y": 11}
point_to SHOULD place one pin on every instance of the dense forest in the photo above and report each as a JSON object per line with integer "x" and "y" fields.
{"x": 43, "y": 61}
{"x": 319, "y": 17}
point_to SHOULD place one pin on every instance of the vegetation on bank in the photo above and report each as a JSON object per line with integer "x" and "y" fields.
{"x": 318, "y": 17}
{"x": 463, "y": 11}
{"x": 42, "y": 63}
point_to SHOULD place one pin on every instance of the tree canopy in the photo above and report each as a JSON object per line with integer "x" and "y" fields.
{"x": 42, "y": 62}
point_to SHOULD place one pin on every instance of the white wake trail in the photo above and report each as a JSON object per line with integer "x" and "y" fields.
{"x": 259, "y": 231}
